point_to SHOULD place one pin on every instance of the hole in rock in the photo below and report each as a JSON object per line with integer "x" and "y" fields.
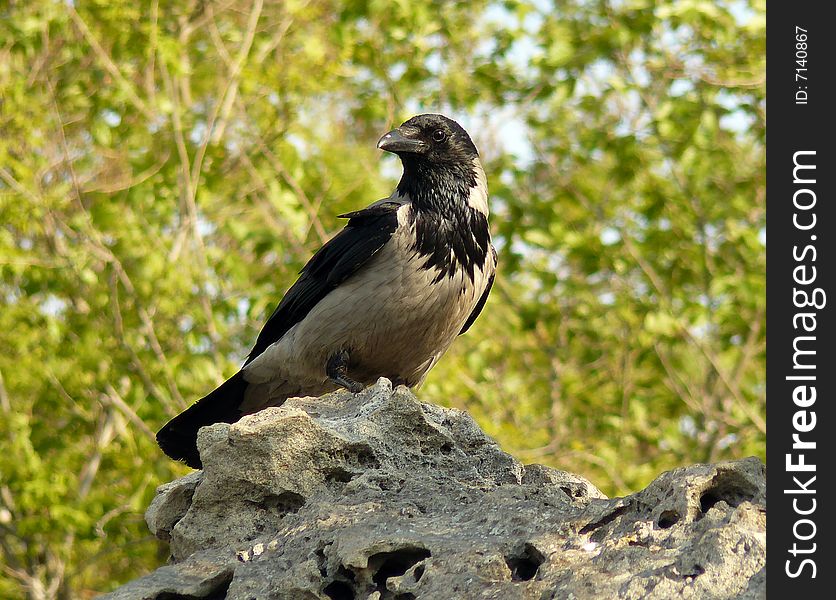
{"x": 361, "y": 457}
{"x": 605, "y": 520}
{"x": 446, "y": 448}
{"x": 321, "y": 561}
{"x": 574, "y": 491}
{"x": 694, "y": 571}
{"x": 284, "y": 503}
{"x": 345, "y": 573}
{"x": 524, "y": 565}
{"x": 419, "y": 572}
{"x": 395, "y": 563}
{"x": 729, "y": 487}
{"x": 339, "y": 475}
{"x": 339, "y": 590}
{"x": 668, "y": 518}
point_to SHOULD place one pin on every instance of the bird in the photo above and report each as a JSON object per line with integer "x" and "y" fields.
{"x": 385, "y": 297}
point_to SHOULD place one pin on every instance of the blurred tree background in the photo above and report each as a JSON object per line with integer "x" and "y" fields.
{"x": 167, "y": 166}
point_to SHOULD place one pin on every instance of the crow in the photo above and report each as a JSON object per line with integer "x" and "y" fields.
{"x": 385, "y": 297}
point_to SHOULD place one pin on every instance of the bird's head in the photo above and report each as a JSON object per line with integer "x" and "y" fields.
{"x": 430, "y": 139}
{"x": 441, "y": 168}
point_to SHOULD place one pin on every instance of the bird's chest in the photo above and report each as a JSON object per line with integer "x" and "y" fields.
{"x": 410, "y": 299}
{"x": 402, "y": 312}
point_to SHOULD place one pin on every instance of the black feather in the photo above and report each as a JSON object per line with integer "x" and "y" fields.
{"x": 444, "y": 222}
{"x": 178, "y": 437}
{"x": 364, "y": 235}
{"x": 479, "y": 306}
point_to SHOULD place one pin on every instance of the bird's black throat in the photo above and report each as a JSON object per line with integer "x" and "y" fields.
{"x": 444, "y": 220}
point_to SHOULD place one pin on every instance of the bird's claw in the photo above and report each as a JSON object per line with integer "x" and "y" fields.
{"x": 355, "y": 387}
{"x": 337, "y": 371}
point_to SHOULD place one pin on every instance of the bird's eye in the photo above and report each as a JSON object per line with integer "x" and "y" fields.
{"x": 439, "y": 135}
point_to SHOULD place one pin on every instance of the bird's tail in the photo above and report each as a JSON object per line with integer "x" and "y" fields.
{"x": 178, "y": 437}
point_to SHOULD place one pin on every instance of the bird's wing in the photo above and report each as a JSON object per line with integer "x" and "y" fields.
{"x": 366, "y": 233}
{"x": 484, "y": 298}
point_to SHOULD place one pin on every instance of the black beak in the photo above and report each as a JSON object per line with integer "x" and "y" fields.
{"x": 403, "y": 139}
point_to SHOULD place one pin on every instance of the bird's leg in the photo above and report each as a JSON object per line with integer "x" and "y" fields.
{"x": 337, "y": 371}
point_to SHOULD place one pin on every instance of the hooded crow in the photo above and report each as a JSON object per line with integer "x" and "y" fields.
{"x": 385, "y": 297}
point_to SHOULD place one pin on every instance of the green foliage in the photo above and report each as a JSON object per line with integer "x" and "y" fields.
{"x": 167, "y": 167}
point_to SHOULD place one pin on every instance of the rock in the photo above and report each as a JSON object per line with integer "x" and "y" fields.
{"x": 171, "y": 504}
{"x": 379, "y": 496}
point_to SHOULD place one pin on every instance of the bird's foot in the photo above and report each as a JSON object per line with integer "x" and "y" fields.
{"x": 355, "y": 387}
{"x": 337, "y": 371}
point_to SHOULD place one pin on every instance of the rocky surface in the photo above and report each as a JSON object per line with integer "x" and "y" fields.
{"x": 379, "y": 496}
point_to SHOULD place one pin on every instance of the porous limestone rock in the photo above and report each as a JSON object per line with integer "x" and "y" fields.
{"x": 379, "y": 496}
